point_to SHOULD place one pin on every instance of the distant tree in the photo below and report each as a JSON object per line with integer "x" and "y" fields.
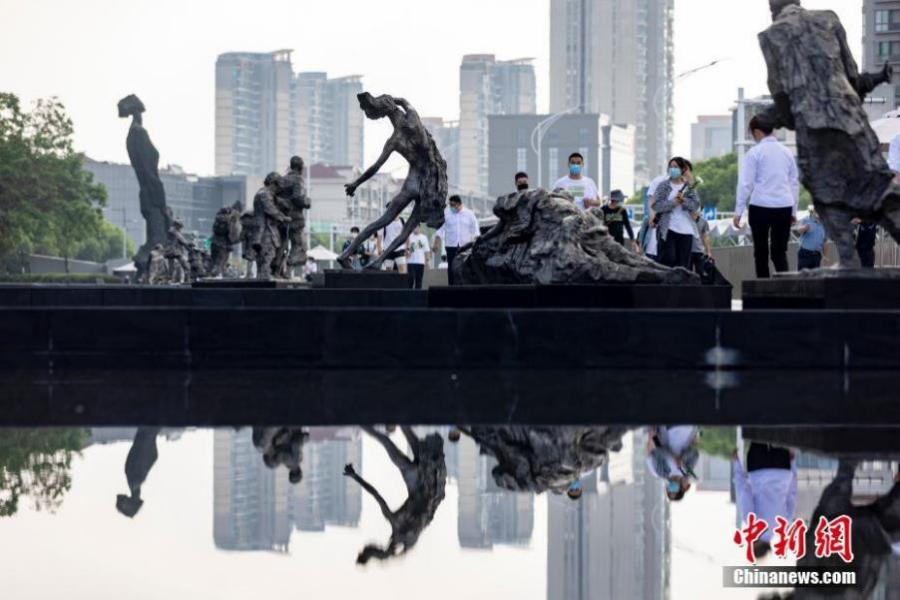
{"x": 35, "y": 463}
{"x": 720, "y": 178}
{"x": 48, "y": 201}
{"x": 107, "y": 246}
{"x": 718, "y": 441}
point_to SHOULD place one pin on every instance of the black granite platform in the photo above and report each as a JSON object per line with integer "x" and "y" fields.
{"x": 851, "y": 289}
{"x": 184, "y": 296}
{"x": 199, "y": 397}
{"x": 365, "y": 280}
{"x": 581, "y": 296}
{"x": 247, "y": 284}
{"x": 869, "y": 442}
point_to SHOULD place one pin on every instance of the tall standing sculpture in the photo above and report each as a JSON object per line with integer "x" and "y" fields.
{"x": 145, "y": 160}
{"x": 298, "y": 202}
{"x": 425, "y": 185}
{"x": 818, "y": 92}
{"x": 226, "y": 234}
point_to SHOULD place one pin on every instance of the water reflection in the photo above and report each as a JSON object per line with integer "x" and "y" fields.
{"x": 620, "y": 535}
{"x": 425, "y": 477}
{"x": 256, "y": 507}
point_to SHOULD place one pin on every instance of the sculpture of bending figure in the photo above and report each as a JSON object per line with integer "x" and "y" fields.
{"x": 145, "y": 160}
{"x": 140, "y": 460}
{"x": 425, "y": 185}
{"x": 818, "y": 92}
{"x": 425, "y": 476}
{"x": 539, "y": 459}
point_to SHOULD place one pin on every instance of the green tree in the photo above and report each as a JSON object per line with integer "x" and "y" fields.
{"x": 106, "y": 246}
{"x": 720, "y": 178}
{"x": 718, "y": 441}
{"x": 35, "y": 463}
{"x": 48, "y": 201}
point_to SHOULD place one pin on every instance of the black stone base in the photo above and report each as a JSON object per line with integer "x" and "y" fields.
{"x": 871, "y": 442}
{"x": 855, "y": 289}
{"x": 365, "y": 280}
{"x": 581, "y": 296}
{"x": 247, "y": 284}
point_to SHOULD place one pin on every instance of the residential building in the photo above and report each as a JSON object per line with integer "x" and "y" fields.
{"x": 616, "y": 57}
{"x": 881, "y": 43}
{"x": 488, "y": 87}
{"x": 608, "y": 150}
{"x": 193, "y": 199}
{"x": 253, "y": 112}
{"x": 327, "y": 124}
{"x": 711, "y": 137}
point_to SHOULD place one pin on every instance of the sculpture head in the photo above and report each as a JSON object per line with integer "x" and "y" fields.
{"x": 130, "y": 106}
{"x": 296, "y": 163}
{"x": 779, "y": 5}
{"x": 376, "y": 108}
{"x": 272, "y": 178}
{"x": 238, "y": 206}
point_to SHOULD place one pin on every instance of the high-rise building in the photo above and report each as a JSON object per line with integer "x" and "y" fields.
{"x": 616, "y": 57}
{"x": 881, "y": 43}
{"x": 253, "y": 112}
{"x": 488, "y": 87}
{"x": 615, "y": 541}
{"x": 711, "y": 137}
{"x": 608, "y": 151}
{"x": 327, "y": 124}
{"x": 446, "y": 136}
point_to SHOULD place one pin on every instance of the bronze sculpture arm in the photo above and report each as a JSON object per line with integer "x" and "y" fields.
{"x": 371, "y": 171}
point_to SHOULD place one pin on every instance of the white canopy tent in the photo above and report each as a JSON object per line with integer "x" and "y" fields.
{"x": 321, "y": 253}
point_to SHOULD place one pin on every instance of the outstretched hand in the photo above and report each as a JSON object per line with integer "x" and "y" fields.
{"x": 350, "y": 188}
{"x": 349, "y": 470}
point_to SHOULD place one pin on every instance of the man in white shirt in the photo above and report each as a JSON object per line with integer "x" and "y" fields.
{"x": 768, "y": 488}
{"x": 418, "y": 256}
{"x": 582, "y": 188}
{"x": 459, "y": 230}
{"x": 396, "y": 261}
{"x": 770, "y": 185}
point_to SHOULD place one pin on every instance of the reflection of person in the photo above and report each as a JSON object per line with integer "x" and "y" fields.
{"x": 425, "y": 476}
{"x": 582, "y": 188}
{"x": 768, "y": 488}
{"x": 141, "y": 458}
{"x": 672, "y": 455}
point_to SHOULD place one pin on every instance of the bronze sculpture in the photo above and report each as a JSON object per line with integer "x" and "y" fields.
{"x": 144, "y": 159}
{"x": 140, "y": 460}
{"x": 226, "y": 233}
{"x": 425, "y": 185}
{"x": 425, "y": 476}
{"x": 544, "y": 238}
{"x": 269, "y": 222}
{"x": 297, "y": 203}
{"x": 818, "y": 92}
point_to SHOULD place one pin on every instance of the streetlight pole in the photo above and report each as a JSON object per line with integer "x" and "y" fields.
{"x": 537, "y": 138}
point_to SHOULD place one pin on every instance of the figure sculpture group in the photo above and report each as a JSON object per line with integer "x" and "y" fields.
{"x": 817, "y": 89}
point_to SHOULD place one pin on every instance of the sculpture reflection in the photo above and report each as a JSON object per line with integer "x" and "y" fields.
{"x": 138, "y": 463}
{"x": 538, "y": 459}
{"x": 282, "y": 446}
{"x": 425, "y": 476}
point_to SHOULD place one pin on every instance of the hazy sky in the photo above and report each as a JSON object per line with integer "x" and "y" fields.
{"x": 91, "y": 53}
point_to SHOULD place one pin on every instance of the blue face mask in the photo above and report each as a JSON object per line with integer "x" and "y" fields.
{"x": 575, "y": 170}
{"x": 673, "y": 487}
{"x": 674, "y": 173}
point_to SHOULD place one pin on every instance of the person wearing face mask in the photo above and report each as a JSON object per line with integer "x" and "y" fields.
{"x": 674, "y": 201}
{"x": 770, "y": 184}
{"x": 522, "y": 184}
{"x": 460, "y": 229}
{"x": 582, "y": 188}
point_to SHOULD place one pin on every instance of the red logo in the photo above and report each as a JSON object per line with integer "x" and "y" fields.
{"x": 790, "y": 539}
{"x": 834, "y": 538}
{"x": 749, "y": 534}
